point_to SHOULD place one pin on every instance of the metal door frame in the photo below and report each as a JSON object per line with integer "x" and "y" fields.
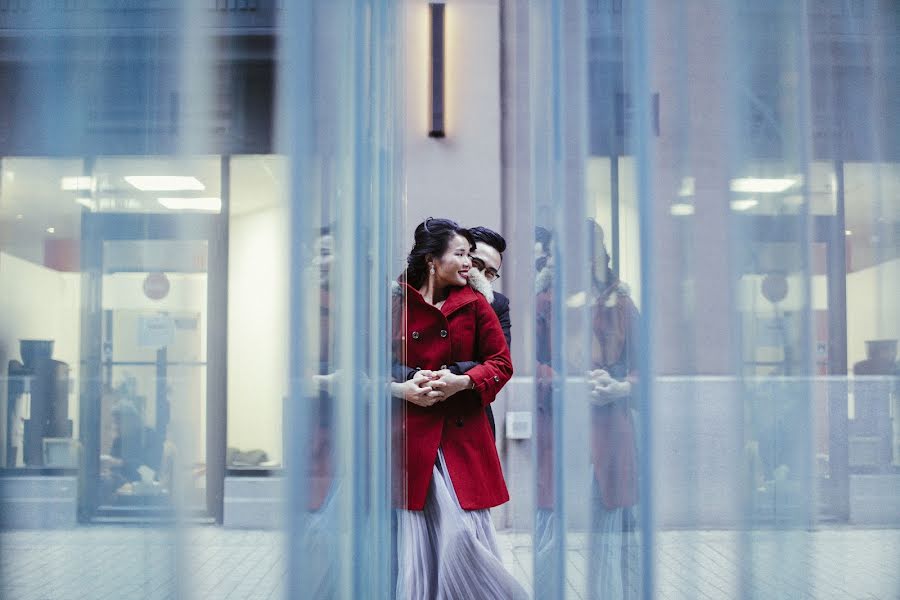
{"x": 97, "y": 228}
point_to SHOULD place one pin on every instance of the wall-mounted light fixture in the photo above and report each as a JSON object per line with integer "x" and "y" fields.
{"x": 437, "y": 69}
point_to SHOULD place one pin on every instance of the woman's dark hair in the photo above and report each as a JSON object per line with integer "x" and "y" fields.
{"x": 489, "y": 237}
{"x": 432, "y": 238}
{"x": 596, "y": 239}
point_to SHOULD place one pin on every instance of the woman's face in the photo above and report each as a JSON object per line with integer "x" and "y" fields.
{"x": 452, "y": 268}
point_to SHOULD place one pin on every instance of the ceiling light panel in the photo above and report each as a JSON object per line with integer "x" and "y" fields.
{"x": 165, "y": 183}
{"x": 204, "y": 204}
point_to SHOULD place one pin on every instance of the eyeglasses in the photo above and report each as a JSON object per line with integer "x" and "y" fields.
{"x": 490, "y": 273}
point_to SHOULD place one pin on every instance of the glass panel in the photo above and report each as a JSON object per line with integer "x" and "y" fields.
{"x": 873, "y": 258}
{"x": 154, "y": 373}
{"x": 40, "y": 224}
{"x": 340, "y": 130}
{"x": 724, "y": 146}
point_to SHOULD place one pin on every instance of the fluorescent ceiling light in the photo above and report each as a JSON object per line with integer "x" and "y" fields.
{"x": 207, "y": 204}
{"x": 165, "y": 183}
{"x": 687, "y": 187}
{"x": 848, "y": 232}
{"x": 577, "y": 300}
{"x": 87, "y": 203}
{"x": 76, "y": 184}
{"x": 755, "y": 185}
{"x": 51, "y": 230}
{"x": 681, "y": 209}
{"x": 744, "y": 204}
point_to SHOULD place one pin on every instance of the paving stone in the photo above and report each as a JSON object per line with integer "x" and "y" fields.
{"x": 100, "y": 562}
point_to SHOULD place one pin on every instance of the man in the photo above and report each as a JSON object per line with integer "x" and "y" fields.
{"x": 487, "y": 257}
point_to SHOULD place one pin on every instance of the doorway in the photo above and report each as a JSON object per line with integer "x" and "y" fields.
{"x": 153, "y": 417}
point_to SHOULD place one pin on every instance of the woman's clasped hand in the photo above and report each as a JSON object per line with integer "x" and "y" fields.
{"x": 427, "y": 387}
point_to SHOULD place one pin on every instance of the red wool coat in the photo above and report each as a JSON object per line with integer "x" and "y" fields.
{"x": 465, "y": 328}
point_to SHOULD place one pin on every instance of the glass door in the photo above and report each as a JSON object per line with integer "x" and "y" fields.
{"x": 150, "y": 414}
{"x": 152, "y": 410}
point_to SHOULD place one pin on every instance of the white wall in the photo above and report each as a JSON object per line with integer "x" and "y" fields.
{"x": 38, "y": 303}
{"x": 872, "y": 312}
{"x": 257, "y": 330}
{"x": 458, "y": 176}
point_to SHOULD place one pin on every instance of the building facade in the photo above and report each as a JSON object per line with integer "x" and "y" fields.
{"x": 203, "y": 206}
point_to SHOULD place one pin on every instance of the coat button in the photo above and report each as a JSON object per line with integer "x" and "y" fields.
{"x": 415, "y": 335}
{"x": 459, "y": 422}
{"x": 443, "y": 333}
{"x": 496, "y": 378}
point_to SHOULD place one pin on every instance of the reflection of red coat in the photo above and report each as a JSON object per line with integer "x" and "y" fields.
{"x": 465, "y": 328}
{"x": 613, "y": 452}
{"x": 320, "y": 474}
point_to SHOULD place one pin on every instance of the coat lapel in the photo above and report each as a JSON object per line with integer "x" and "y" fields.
{"x": 459, "y": 297}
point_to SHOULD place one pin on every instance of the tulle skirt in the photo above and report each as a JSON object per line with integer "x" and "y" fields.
{"x": 447, "y": 552}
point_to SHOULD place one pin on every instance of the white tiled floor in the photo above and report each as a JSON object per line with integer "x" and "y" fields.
{"x": 109, "y": 562}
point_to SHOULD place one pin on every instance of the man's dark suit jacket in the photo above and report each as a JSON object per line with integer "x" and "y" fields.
{"x": 501, "y": 307}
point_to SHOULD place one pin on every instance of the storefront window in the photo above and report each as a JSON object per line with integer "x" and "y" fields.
{"x": 40, "y": 317}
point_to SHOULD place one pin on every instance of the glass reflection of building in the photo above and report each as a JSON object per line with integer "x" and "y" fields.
{"x": 145, "y": 228}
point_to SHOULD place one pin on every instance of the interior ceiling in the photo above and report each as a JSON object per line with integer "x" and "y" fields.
{"x": 871, "y": 200}
{"x": 32, "y": 201}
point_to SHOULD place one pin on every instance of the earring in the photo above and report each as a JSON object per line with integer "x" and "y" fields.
{"x": 432, "y": 270}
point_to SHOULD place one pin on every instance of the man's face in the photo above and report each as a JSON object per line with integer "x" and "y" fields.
{"x": 541, "y": 257}
{"x": 323, "y": 256}
{"x": 486, "y": 260}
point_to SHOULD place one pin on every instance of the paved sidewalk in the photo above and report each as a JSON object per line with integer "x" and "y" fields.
{"x": 113, "y": 562}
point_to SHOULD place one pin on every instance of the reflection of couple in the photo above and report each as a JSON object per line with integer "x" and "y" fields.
{"x": 612, "y": 380}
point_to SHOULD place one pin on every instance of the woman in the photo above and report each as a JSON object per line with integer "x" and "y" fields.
{"x": 612, "y": 569}
{"x": 614, "y": 379}
{"x": 451, "y": 474}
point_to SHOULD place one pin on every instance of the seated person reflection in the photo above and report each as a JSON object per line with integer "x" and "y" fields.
{"x": 135, "y": 453}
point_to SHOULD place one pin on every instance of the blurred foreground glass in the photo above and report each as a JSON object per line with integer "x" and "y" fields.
{"x": 713, "y": 161}
{"x": 340, "y": 130}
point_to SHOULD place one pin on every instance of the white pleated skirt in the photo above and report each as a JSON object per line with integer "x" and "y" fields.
{"x": 447, "y": 552}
